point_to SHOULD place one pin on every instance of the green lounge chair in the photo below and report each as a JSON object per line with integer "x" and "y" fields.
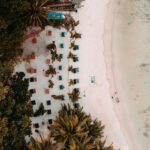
{"x": 76, "y": 89}
{"x": 62, "y": 34}
{"x": 76, "y": 81}
{"x": 61, "y": 87}
{"x": 60, "y": 67}
{"x": 49, "y": 111}
{"x": 75, "y": 70}
{"x": 48, "y": 102}
{"x": 61, "y": 56}
{"x": 76, "y": 47}
{"x": 61, "y": 45}
{"x": 60, "y": 77}
{"x": 75, "y": 59}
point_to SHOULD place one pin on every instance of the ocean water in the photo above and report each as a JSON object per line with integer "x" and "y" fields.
{"x": 131, "y": 63}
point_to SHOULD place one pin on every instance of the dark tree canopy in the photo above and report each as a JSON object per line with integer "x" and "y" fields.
{"x": 15, "y": 17}
{"x": 15, "y": 112}
{"x": 12, "y": 27}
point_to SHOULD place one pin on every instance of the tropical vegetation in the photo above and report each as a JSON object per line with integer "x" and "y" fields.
{"x": 42, "y": 144}
{"x": 73, "y": 129}
{"x": 40, "y": 111}
{"x": 15, "y": 111}
{"x": 74, "y": 95}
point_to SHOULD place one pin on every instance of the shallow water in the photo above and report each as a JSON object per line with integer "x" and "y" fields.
{"x": 131, "y": 63}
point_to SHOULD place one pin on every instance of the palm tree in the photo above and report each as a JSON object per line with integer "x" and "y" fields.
{"x": 58, "y": 97}
{"x": 70, "y": 68}
{"x": 40, "y": 111}
{"x": 73, "y": 24}
{"x": 100, "y": 145}
{"x": 51, "y": 71}
{"x": 51, "y": 46}
{"x": 71, "y": 82}
{"x": 72, "y": 44}
{"x": 37, "y": 15}
{"x": 74, "y": 96}
{"x": 71, "y": 129}
{"x": 75, "y": 35}
{"x": 43, "y": 144}
{"x": 53, "y": 50}
{"x": 71, "y": 55}
{"x": 51, "y": 84}
{"x": 68, "y": 128}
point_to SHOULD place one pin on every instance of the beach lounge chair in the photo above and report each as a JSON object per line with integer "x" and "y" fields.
{"x": 36, "y": 125}
{"x": 76, "y": 47}
{"x": 32, "y": 91}
{"x": 32, "y": 79}
{"x": 46, "y": 91}
{"x": 32, "y": 56}
{"x": 76, "y": 89}
{"x": 49, "y": 111}
{"x": 61, "y": 87}
{"x": 31, "y": 70}
{"x": 48, "y": 102}
{"x": 61, "y": 45}
{"x": 75, "y": 70}
{"x": 75, "y": 59}
{"x": 61, "y": 56}
{"x": 60, "y": 67}
{"x": 62, "y": 34}
{"x": 60, "y": 77}
{"x": 50, "y": 121}
{"x": 47, "y": 61}
{"x": 33, "y": 102}
{"x": 76, "y": 81}
{"x": 34, "y": 40}
{"x": 49, "y": 33}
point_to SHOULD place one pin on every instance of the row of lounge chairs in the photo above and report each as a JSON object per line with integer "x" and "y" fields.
{"x": 37, "y": 125}
{"x": 48, "y": 102}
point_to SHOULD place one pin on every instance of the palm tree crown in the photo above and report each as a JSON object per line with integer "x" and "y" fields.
{"x": 75, "y": 130}
{"x": 37, "y": 15}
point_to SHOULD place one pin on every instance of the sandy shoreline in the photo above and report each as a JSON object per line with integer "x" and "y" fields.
{"x": 98, "y": 99}
{"x": 119, "y": 107}
{"x": 124, "y": 58}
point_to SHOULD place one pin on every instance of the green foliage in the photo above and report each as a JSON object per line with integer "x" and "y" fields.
{"x": 74, "y": 96}
{"x": 40, "y": 110}
{"x": 37, "y": 15}
{"x": 12, "y": 27}
{"x": 75, "y": 130}
{"x": 51, "y": 84}
{"x": 15, "y": 17}
{"x": 51, "y": 70}
{"x": 14, "y": 113}
{"x": 43, "y": 144}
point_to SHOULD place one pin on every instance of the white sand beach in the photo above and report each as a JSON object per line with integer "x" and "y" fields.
{"x": 107, "y": 54}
